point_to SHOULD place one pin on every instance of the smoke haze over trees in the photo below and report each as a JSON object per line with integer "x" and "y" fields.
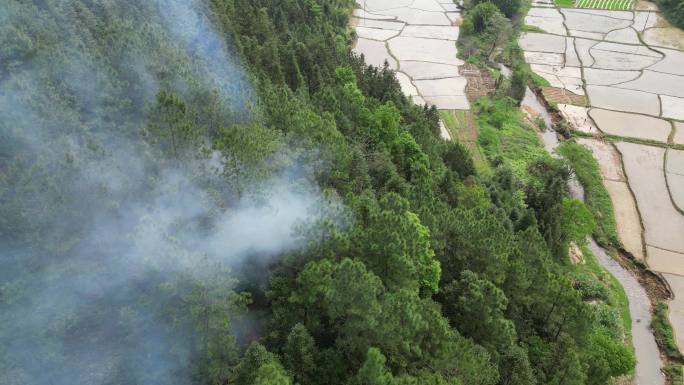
{"x": 217, "y": 192}
{"x": 115, "y": 210}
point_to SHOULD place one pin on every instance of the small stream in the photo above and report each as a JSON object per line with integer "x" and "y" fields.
{"x": 649, "y": 364}
{"x": 648, "y": 356}
{"x": 549, "y": 138}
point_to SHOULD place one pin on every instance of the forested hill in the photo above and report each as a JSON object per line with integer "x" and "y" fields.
{"x": 220, "y": 193}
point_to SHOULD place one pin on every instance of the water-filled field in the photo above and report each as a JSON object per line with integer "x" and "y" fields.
{"x": 630, "y": 66}
{"x": 418, "y": 39}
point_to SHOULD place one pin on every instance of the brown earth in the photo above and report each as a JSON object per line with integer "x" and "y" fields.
{"x": 563, "y": 96}
{"x": 480, "y": 81}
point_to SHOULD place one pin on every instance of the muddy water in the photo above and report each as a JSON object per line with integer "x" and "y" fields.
{"x": 647, "y": 354}
{"x": 648, "y": 357}
{"x": 549, "y": 137}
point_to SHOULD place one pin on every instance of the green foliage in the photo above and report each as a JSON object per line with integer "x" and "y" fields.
{"x": 476, "y": 307}
{"x": 608, "y": 322}
{"x": 299, "y": 355}
{"x": 538, "y": 81}
{"x": 170, "y": 124}
{"x": 259, "y": 366}
{"x": 505, "y": 138}
{"x": 458, "y": 159}
{"x": 530, "y": 28}
{"x": 675, "y": 373}
{"x": 271, "y": 373}
{"x": 476, "y": 241}
{"x": 674, "y": 11}
{"x": 515, "y": 367}
{"x": 663, "y": 331}
{"x": 408, "y": 329}
{"x": 519, "y": 80}
{"x": 373, "y": 371}
{"x": 590, "y": 288}
{"x": 395, "y": 245}
{"x": 602, "y": 356}
{"x": 484, "y": 28}
{"x": 608, "y": 358}
{"x": 253, "y": 151}
{"x": 479, "y": 18}
{"x": 433, "y": 275}
{"x": 577, "y": 222}
{"x": 596, "y": 196}
{"x": 509, "y": 8}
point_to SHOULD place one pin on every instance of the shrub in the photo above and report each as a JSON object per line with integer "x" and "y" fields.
{"x": 508, "y": 7}
{"x": 674, "y": 11}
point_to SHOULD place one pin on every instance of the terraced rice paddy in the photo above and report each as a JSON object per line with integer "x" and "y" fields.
{"x": 418, "y": 39}
{"x": 629, "y": 68}
{"x": 615, "y": 69}
{"x": 605, "y": 4}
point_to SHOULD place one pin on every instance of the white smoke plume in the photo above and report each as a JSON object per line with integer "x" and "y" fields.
{"x": 93, "y": 227}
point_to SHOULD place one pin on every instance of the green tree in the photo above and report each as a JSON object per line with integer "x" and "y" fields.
{"x": 299, "y": 354}
{"x": 458, "y": 159}
{"x": 515, "y": 367}
{"x": 373, "y": 371}
{"x": 478, "y": 19}
{"x": 252, "y": 154}
{"x": 248, "y": 369}
{"x": 476, "y": 240}
{"x": 476, "y": 308}
{"x": 395, "y": 245}
{"x": 271, "y": 373}
{"x": 508, "y": 7}
{"x": 170, "y": 124}
{"x": 607, "y": 358}
{"x": 339, "y": 301}
{"x": 545, "y": 197}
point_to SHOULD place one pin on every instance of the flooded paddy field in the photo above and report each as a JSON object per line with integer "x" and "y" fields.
{"x": 417, "y": 38}
{"x": 629, "y": 67}
{"x": 616, "y": 73}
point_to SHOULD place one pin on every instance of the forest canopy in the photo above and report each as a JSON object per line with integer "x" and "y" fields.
{"x": 220, "y": 192}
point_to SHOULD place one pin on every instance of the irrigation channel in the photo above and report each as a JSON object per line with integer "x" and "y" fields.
{"x": 648, "y": 367}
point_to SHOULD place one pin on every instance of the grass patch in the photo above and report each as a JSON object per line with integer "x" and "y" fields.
{"x": 616, "y": 296}
{"x": 456, "y": 123}
{"x": 539, "y": 81}
{"x": 565, "y": 3}
{"x": 504, "y": 137}
{"x": 675, "y": 373}
{"x": 663, "y": 331}
{"x": 531, "y": 28}
{"x": 617, "y": 138}
{"x": 596, "y": 196}
{"x": 625, "y": 5}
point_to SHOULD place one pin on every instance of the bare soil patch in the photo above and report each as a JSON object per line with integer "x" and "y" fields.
{"x": 561, "y": 95}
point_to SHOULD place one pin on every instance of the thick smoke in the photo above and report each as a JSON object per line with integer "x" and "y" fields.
{"x": 101, "y": 235}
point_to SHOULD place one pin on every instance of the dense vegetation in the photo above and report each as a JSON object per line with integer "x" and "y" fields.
{"x": 426, "y": 273}
{"x": 663, "y": 331}
{"x": 674, "y": 11}
{"x": 596, "y": 196}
